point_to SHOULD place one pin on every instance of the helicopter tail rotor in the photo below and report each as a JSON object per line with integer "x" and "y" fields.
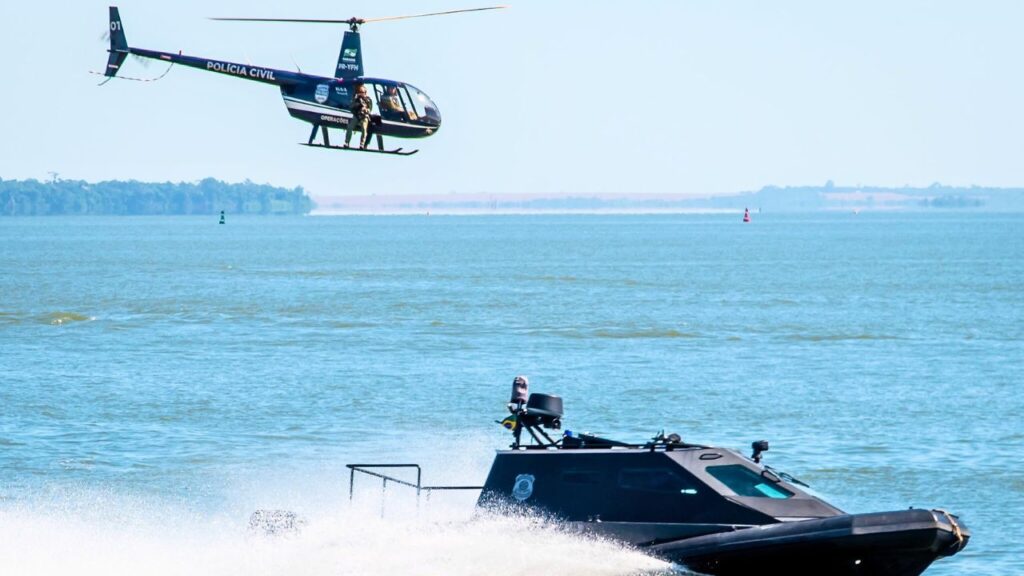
{"x": 118, "y": 44}
{"x": 119, "y": 51}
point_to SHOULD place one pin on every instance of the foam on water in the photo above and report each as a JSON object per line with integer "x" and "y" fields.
{"x": 99, "y": 535}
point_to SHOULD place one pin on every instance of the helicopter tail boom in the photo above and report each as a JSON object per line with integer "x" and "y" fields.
{"x": 118, "y": 44}
{"x": 244, "y": 71}
{"x": 119, "y": 50}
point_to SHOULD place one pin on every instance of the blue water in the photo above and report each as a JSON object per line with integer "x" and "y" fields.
{"x": 162, "y": 373}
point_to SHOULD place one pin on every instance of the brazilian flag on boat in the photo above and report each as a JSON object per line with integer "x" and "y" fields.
{"x": 509, "y": 422}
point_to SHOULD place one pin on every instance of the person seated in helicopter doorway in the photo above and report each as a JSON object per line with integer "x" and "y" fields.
{"x": 361, "y": 107}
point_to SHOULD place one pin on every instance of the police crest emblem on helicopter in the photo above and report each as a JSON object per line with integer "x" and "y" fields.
{"x": 321, "y": 93}
{"x": 523, "y": 487}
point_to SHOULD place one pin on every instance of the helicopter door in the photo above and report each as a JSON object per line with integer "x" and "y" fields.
{"x": 375, "y": 91}
{"x": 410, "y": 110}
{"x": 393, "y": 105}
{"x": 403, "y": 96}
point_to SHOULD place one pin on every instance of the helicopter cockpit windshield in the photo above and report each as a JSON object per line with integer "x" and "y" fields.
{"x": 422, "y": 104}
{"x": 404, "y": 102}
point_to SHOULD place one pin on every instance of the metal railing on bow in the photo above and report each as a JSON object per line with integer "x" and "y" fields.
{"x": 370, "y": 470}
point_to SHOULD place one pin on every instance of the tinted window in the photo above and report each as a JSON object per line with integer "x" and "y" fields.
{"x": 654, "y": 480}
{"x": 745, "y": 482}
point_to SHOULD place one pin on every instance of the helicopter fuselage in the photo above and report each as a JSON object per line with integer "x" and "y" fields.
{"x": 400, "y": 110}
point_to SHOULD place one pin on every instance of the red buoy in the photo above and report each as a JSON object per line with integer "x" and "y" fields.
{"x": 746, "y": 215}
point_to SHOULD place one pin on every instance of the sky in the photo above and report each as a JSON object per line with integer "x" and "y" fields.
{"x": 553, "y": 97}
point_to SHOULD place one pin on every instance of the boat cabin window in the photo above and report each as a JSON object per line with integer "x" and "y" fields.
{"x": 745, "y": 482}
{"x": 654, "y": 480}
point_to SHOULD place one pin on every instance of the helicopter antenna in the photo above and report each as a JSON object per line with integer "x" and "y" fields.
{"x": 354, "y": 23}
{"x": 109, "y": 78}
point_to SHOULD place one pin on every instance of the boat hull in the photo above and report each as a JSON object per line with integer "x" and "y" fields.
{"x": 902, "y": 543}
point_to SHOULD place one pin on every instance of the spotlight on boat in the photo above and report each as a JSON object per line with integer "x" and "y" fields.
{"x": 544, "y": 410}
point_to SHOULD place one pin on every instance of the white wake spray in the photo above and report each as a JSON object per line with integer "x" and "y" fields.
{"x": 348, "y": 540}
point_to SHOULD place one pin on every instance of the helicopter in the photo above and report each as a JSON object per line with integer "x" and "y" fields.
{"x": 402, "y": 110}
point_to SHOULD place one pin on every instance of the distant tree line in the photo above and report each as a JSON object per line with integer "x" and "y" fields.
{"x": 115, "y": 197}
{"x": 833, "y": 197}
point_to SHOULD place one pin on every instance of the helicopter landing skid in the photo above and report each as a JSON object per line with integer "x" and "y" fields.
{"x": 372, "y": 134}
{"x": 395, "y": 152}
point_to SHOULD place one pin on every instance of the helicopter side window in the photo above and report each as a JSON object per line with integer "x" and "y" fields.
{"x": 374, "y": 92}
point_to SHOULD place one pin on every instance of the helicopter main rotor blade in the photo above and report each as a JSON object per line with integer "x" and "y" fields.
{"x": 354, "y": 20}
{"x": 299, "y": 20}
{"x": 386, "y": 18}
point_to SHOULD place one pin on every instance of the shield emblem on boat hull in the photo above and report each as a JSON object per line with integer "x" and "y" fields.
{"x": 523, "y": 487}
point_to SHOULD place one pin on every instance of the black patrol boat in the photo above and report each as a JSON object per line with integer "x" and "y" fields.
{"x": 709, "y": 509}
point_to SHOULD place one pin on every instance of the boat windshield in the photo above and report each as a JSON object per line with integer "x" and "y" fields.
{"x": 745, "y": 482}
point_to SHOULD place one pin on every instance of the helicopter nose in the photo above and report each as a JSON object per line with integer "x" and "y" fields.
{"x": 431, "y": 115}
{"x": 431, "y": 122}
